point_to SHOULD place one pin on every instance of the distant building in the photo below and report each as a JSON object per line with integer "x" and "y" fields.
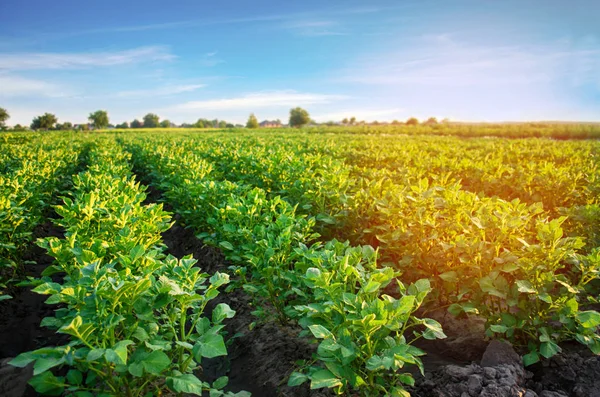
{"x": 270, "y": 124}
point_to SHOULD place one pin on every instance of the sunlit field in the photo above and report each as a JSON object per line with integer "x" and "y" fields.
{"x": 364, "y": 245}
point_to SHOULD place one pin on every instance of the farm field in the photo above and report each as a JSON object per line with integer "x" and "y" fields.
{"x": 330, "y": 261}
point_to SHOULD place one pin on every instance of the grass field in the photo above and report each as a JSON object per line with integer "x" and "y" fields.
{"x": 358, "y": 243}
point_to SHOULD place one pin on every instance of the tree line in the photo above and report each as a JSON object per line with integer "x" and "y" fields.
{"x": 99, "y": 120}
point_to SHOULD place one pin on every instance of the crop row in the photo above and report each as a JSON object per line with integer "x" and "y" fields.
{"x": 361, "y": 315}
{"x": 31, "y": 176}
{"x": 135, "y": 317}
{"x": 504, "y": 260}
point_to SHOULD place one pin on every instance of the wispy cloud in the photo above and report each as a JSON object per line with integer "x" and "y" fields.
{"x": 160, "y": 91}
{"x": 228, "y": 21}
{"x": 257, "y": 100}
{"x": 209, "y": 59}
{"x": 47, "y": 60}
{"x": 361, "y": 114}
{"x": 13, "y": 86}
{"x": 440, "y": 60}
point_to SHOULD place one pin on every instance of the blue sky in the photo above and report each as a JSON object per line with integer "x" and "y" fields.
{"x": 471, "y": 60}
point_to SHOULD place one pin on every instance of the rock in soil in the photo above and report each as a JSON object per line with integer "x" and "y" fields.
{"x": 13, "y": 381}
{"x": 574, "y": 374}
{"x": 499, "y": 353}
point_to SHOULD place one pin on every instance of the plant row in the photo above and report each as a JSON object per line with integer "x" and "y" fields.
{"x": 504, "y": 260}
{"x": 361, "y": 315}
{"x": 32, "y": 173}
{"x": 135, "y": 318}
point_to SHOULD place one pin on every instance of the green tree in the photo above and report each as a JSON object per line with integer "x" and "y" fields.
{"x": 203, "y": 123}
{"x": 151, "y": 120}
{"x": 345, "y": 121}
{"x": 136, "y": 124}
{"x": 165, "y": 124}
{"x": 44, "y": 122}
{"x": 431, "y": 121}
{"x": 99, "y": 118}
{"x": 19, "y": 127}
{"x": 352, "y": 120}
{"x": 124, "y": 125}
{"x": 66, "y": 126}
{"x": 299, "y": 117}
{"x": 3, "y": 116}
{"x": 412, "y": 121}
{"x": 229, "y": 125}
{"x": 252, "y": 121}
{"x": 222, "y": 124}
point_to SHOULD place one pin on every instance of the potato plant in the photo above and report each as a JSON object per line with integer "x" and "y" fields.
{"x": 364, "y": 318}
{"x": 32, "y": 173}
{"x": 135, "y": 317}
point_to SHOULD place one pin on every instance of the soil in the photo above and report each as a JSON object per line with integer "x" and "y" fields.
{"x": 21, "y": 316}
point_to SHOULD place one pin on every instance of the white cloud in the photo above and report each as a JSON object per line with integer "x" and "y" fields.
{"x": 47, "y": 60}
{"x": 12, "y": 86}
{"x": 314, "y": 28}
{"x": 257, "y": 100}
{"x": 160, "y": 91}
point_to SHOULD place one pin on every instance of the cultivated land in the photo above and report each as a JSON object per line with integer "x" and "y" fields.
{"x": 359, "y": 261}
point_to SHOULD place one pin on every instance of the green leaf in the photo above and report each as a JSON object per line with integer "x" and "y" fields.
{"x": 47, "y": 289}
{"x": 118, "y": 354}
{"x": 227, "y": 245}
{"x": 95, "y": 354}
{"x": 530, "y": 358}
{"x": 372, "y": 286}
{"x": 407, "y": 379}
{"x": 549, "y": 349}
{"x": 221, "y": 312}
{"x": 450, "y": 276}
{"x": 312, "y": 273}
{"x": 544, "y": 296}
{"x": 399, "y": 392}
{"x": 212, "y": 345}
{"x": 156, "y": 362}
{"x": 220, "y": 382}
{"x": 525, "y": 287}
{"x": 187, "y": 383}
{"x": 219, "y": 279}
{"x": 136, "y": 369}
{"x": 498, "y": 328}
{"x": 434, "y": 327}
{"x": 296, "y": 379}
{"x": 43, "y": 364}
{"x": 320, "y": 332}
{"x": 75, "y": 377}
{"x": 589, "y": 318}
{"x": 323, "y": 378}
{"x": 22, "y": 360}
{"x": 47, "y": 383}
